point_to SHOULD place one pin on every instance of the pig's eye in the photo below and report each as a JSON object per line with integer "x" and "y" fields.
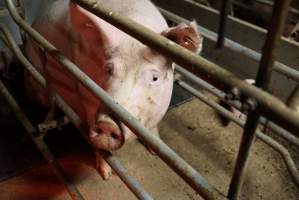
{"x": 155, "y": 78}
{"x": 109, "y": 67}
{"x": 152, "y": 77}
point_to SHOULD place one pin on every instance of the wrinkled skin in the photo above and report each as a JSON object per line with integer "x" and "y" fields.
{"x": 135, "y": 76}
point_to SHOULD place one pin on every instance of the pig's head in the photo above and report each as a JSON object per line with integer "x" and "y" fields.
{"x": 138, "y": 78}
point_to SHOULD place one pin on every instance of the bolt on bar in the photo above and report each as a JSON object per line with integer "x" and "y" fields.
{"x": 218, "y": 93}
{"x": 279, "y": 15}
{"x": 278, "y": 66}
{"x": 272, "y": 107}
{"x": 291, "y": 166}
{"x": 131, "y": 183}
{"x": 225, "y": 8}
{"x": 40, "y": 144}
{"x": 190, "y": 175}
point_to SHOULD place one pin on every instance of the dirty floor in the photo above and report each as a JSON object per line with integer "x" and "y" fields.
{"x": 194, "y": 132}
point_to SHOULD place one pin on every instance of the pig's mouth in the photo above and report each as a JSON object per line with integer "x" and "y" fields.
{"x": 106, "y": 134}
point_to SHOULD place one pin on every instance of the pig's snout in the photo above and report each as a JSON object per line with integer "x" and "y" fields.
{"x": 106, "y": 134}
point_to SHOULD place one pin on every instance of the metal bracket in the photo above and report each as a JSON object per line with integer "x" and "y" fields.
{"x": 43, "y": 128}
{"x": 247, "y": 104}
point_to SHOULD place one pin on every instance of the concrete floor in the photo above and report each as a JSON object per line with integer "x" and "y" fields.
{"x": 194, "y": 132}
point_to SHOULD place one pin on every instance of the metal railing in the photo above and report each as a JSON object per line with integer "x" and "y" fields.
{"x": 268, "y": 105}
{"x": 112, "y": 161}
{"x": 272, "y": 107}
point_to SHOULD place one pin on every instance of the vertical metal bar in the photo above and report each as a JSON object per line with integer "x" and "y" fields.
{"x": 291, "y": 166}
{"x": 41, "y": 145}
{"x": 225, "y": 8}
{"x": 278, "y": 18}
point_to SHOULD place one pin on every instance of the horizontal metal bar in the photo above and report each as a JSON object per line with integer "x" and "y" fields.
{"x": 271, "y": 106}
{"x": 111, "y": 160}
{"x": 270, "y": 3}
{"x": 190, "y": 175}
{"x": 278, "y": 66}
{"x": 291, "y": 166}
{"x": 40, "y": 144}
{"x": 218, "y": 93}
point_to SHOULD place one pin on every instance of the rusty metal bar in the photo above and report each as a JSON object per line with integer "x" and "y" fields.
{"x": 131, "y": 183}
{"x": 218, "y": 93}
{"x": 189, "y": 174}
{"x": 225, "y": 8}
{"x": 291, "y": 166}
{"x": 278, "y": 66}
{"x": 272, "y": 107}
{"x": 278, "y": 18}
{"x": 41, "y": 145}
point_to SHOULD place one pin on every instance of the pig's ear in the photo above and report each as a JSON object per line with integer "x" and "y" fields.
{"x": 84, "y": 25}
{"x": 186, "y": 35}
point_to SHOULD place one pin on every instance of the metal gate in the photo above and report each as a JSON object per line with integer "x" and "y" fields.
{"x": 258, "y": 103}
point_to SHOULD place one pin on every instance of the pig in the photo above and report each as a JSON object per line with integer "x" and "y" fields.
{"x": 236, "y": 113}
{"x": 134, "y": 75}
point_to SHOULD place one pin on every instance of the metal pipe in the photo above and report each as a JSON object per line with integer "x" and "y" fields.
{"x": 278, "y": 66}
{"x": 190, "y": 175}
{"x": 291, "y": 166}
{"x": 272, "y": 107}
{"x": 225, "y": 7}
{"x": 270, "y": 3}
{"x": 293, "y": 100}
{"x": 278, "y": 18}
{"x": 132, "y": 184}
{"x": 123, "y": 175}
{"x": 218, "y": 93}
{"x": 40, "y": 144}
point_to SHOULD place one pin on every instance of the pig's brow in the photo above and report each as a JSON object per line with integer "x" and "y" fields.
{"x": 148, "y": 60}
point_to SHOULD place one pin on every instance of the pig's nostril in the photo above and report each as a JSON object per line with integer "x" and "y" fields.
{"x": 98, "y": 130}
{"x": 114, "y": 135}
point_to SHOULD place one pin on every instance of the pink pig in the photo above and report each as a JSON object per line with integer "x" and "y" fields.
{"x": 134, "y": 75}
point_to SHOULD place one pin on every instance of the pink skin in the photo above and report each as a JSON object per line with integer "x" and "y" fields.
{"x": 136, "y": 77}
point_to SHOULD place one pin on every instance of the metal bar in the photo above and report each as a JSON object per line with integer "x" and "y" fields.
{"x": 272, "y": 107}
{"x": 218, "y": 93}
{"x": 130, "y": 182}
{"x": 123, "y": 175}
{"x": 225, "y": 8}
{"x": 291, "y": 166}
{"x": 116, "y": 166}
{"x": 190, "y": 175}
{"x": 278, "y": 18}
{"x": 270, "y": 3}
{"x": 278, "y": 66}
{"x": 41, "y": 145}
{"x": 293, "y": 100}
